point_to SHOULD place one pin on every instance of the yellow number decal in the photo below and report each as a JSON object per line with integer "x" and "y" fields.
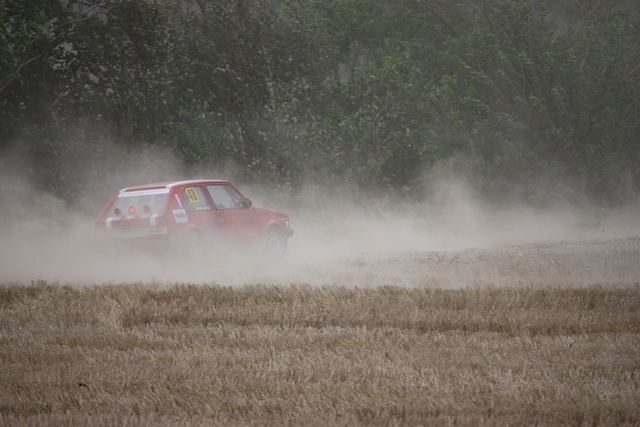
{"x": 191, "y": 193}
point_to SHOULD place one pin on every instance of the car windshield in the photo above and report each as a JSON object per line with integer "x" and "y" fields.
{"x": 147, "y": 202}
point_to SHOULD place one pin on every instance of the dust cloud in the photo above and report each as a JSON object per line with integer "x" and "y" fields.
{"x": 451, "y": 239}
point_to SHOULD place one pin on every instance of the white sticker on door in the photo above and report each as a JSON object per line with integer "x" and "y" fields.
{"x": 180, "y": 215}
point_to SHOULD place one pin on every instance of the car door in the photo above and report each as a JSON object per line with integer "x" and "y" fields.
{"x": 236, "y": 218}
{"x": 197, "y": 208}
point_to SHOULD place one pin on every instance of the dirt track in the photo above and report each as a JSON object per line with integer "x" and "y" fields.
{"x": 455, "y": 249}
{"x": 515, "y": 249}
{"x": 612, "y": 261}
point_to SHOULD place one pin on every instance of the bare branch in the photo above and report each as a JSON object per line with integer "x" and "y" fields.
{"x": 27, "y": 62}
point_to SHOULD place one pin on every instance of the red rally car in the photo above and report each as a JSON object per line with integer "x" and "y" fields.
{"x": 191, "y": 215}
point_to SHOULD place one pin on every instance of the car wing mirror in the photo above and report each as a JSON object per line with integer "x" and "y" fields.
{"x": 246, "y": 203}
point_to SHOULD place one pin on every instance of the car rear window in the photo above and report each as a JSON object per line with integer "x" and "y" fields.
{"x": 147, "y": 202}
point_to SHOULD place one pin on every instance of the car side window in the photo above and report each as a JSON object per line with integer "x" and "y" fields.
{"x": 225, "y": 197}
{"x": 195, "y": 199}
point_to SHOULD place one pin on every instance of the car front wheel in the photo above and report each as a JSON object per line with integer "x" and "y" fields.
{"x": 275, "y": 244}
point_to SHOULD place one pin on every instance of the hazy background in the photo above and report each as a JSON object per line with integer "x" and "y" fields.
{"x": 451, "y": 239}
{"x": 411, "y": 143}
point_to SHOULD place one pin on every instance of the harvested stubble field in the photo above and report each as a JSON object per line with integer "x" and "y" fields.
{"x": 299, "y": 354}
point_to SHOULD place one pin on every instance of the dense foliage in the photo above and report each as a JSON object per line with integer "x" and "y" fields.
{"x": 534, "y": 100}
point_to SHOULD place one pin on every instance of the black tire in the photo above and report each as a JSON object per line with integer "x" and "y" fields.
{"x": 193, "y": 247}
{"x": 275, "y": 244}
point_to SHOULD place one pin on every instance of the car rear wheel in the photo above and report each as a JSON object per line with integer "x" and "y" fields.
{"x": 275, "y": 244}
{"x": 194, "y": 247}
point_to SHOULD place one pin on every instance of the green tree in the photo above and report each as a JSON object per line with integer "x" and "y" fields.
{"x": 531, "y": 102}
{"x": 29, "y": 37}
{"x": 384, "y": 107}
{"x": 535, "y": 100}
{"x": 125, "y": 66}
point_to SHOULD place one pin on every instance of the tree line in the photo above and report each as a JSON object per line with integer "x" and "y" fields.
{"x": 535, "y": 100}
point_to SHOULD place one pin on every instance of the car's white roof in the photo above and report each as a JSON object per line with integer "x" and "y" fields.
{"x": 169, "y": 184}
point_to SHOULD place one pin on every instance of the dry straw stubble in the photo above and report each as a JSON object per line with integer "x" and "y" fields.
{"x": 136, "y": 354}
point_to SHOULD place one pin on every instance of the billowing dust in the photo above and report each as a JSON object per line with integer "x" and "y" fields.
{"x": 448, "y": 240}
